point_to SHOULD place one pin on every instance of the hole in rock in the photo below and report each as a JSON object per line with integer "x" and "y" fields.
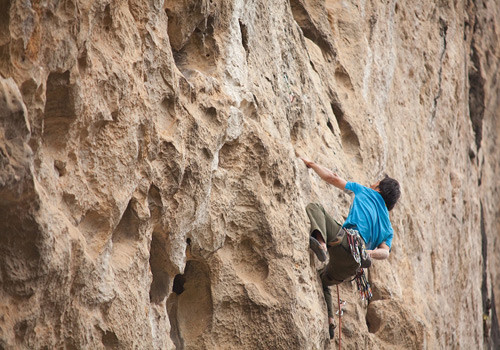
{"x": 373, "y": 320}
{"x": 244, "y": 36}
{"x": 190, "y": 306}
{"x": 211, "y": 112}
{"x": 4, "y": 21}
{"x": 158, "y": 261}
{"x": 4, "y": 58}
{"x": 59, "y": 108}
{"x": 110, "y": 340}
{"x": 342, "y": 76}
{"x": 28, "y": 90}
{"x": 128, "y": 227}
{"x": 206, "y": 153}
{"x": 107, "y": 20}
{"x": 476, "y": 98}
{"x": 330, "y": 126}
{"x": 158, "y": 257}
{"x": 82, "y": 61}
{"x": 125, "y": 237}
{"x": 19, "y": 249}
{"x": 310, "y": 30}
{"x": 20, "y": 329}
{"x": 350, "y": 141}
{"x": 178, "y": 286}
{"x": 154, "y": 201}
{"x": 60, "y": 167}
{"x": 199, "y": 51}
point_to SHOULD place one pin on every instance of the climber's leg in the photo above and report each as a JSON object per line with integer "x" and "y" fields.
{"x": 329, "y": 301}
{"x": 316, "y": 214}
{"x": 323, "y": 227}
{"x": 329, "y": 307}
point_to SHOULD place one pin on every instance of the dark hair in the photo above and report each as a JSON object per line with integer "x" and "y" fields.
{"x": 389, "y": 189}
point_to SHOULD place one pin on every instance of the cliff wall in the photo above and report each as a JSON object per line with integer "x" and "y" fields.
{"x": 150, "y": 190}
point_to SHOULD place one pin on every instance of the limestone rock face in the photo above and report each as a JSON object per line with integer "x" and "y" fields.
{"x": 150, "y": 191}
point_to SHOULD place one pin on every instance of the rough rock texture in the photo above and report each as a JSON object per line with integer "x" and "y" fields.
{"x": 150, "y": 193}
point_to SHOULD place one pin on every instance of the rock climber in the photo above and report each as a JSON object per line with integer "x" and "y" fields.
{"x": 369, "y": 215}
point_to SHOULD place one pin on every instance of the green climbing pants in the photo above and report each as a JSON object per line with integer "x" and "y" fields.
{"x": 329, "y": 301}
{"x": 323, "y": 223}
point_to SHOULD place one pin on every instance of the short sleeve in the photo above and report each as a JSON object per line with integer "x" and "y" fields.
{"x": 353, "y": 187}
{"x": 388, "y": 241}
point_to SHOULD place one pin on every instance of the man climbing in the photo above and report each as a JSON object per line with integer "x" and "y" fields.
{"x": 369, "y": 215}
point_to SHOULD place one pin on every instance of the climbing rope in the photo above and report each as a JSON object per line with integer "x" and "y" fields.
{"x": 340, "y": 312}
{"x": 362, "y": 283}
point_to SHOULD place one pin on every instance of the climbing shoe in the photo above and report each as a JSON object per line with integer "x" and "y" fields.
{"x": 331, "y": 330}
{"x": 317, "y": 249}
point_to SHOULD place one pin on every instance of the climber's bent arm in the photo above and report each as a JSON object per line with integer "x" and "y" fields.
{"x": 380, "y": 253}
{"x": 326, "y": 174}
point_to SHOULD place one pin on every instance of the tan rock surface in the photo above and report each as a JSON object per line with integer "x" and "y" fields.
{"x": 150, "y": 193}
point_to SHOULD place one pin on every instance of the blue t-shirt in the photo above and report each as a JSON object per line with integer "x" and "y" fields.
{"x": 369, "y": 215}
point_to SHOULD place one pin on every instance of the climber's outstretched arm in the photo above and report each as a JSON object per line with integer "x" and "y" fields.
{"x": 326, "y": 174}
{"x": 379, "y": 253}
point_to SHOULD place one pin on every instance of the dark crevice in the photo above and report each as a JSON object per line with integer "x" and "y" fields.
{"x": 20, "y": 241}
{"x": 110, "y": 340}
{"x": 192, "y": 39}
{"x": 442, "y": 32}
{"x": 476, "y": 96}
{"x": 60, "y": 108}
{"x": 373, "y": 22}
{"x": 350, "y": 141}
{"x": 330, "y": 126}
{"x": 491, "y": 330}
{"x": 175, "y": 334}
{"x": 158, "y": 256}
{"x": 107, "y": 19}
{"x": 178, "y": 286}
{"x": 373, "y": 319}
{"x": 495, "y": 328}
{"x": 158, "y": 262}
{"x": 484, "y": 252}
{"x": 309, "y": 28}
{"x": 190, "y": 306}
{"x": 127, "y": 230}
{"x": 244, "y": 36}
{"x": 4, "y": 21}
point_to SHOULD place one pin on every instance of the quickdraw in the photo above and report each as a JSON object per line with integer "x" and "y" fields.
{"x": 363, "y": 285}
{"x": 353, "y": 244}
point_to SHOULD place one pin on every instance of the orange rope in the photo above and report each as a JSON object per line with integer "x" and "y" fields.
{"x": 340, "y": 318}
